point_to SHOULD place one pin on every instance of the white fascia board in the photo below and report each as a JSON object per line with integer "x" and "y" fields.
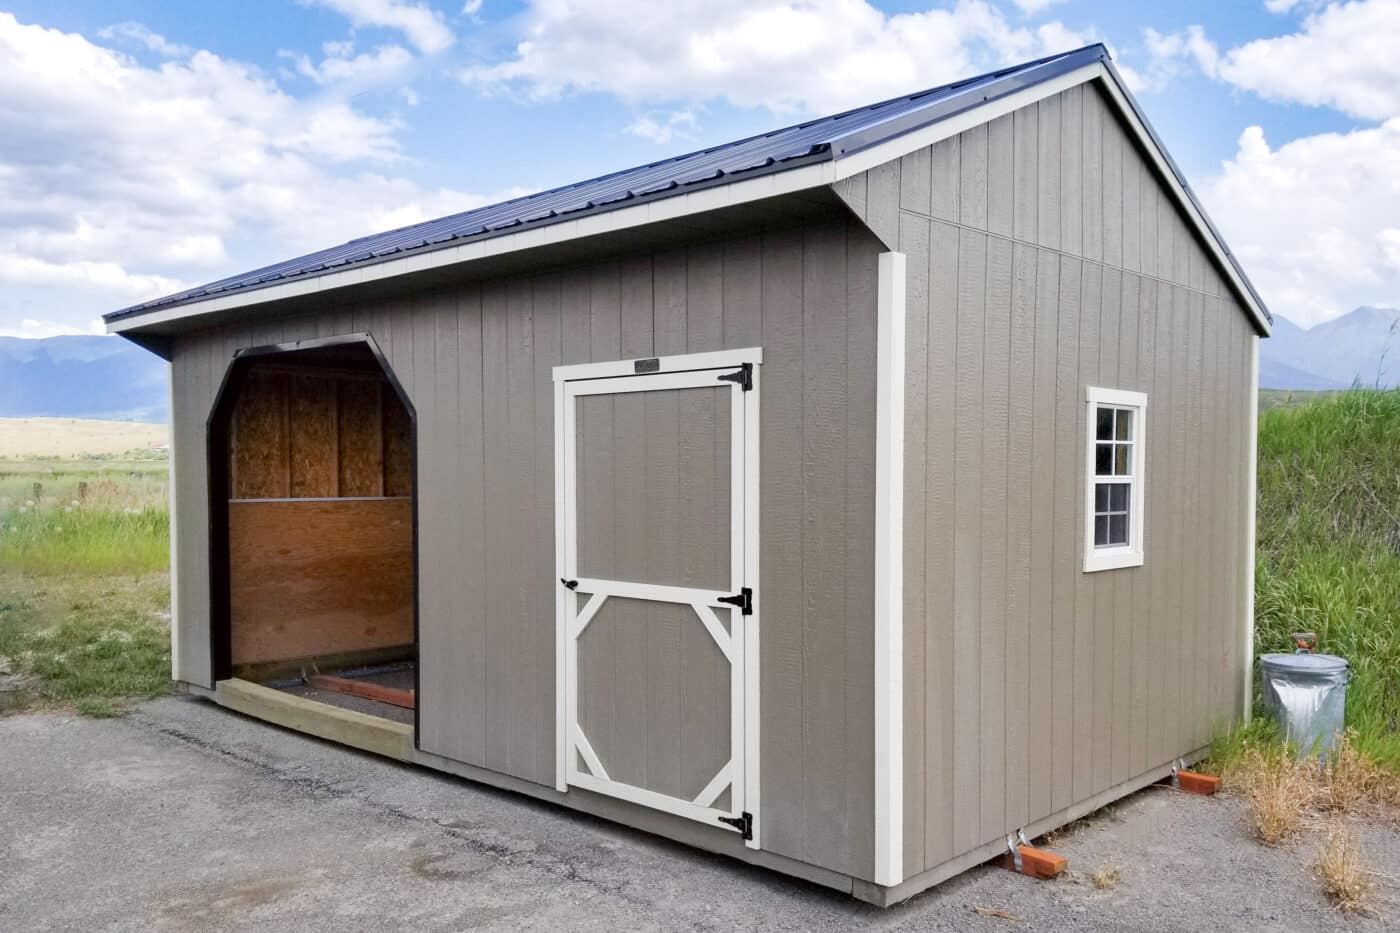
{"x": 771, "y": 185}
{"x": 913, "y": 141}
{"x": 918, "y": 139}
{"x": 1185, "y": 201}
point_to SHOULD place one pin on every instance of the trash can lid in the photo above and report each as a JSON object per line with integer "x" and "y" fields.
{"x": 1304, "y": 663}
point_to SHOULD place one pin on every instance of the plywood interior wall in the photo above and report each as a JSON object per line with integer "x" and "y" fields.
{"x": 315, "y": 578}
{"x": 320, "y": 519}
{"x": 318, "y": 434}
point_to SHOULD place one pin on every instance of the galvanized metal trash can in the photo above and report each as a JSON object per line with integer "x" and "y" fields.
{"x": 1307, "y": 696}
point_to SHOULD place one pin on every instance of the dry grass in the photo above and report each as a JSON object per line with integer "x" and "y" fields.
{"x": 1106, "y": 878}
{"x": 1351, "y": 781}
{"x": 1341, "y": 869}
{"x": 75, "y": 437}
{"x": 1280, "y": 790}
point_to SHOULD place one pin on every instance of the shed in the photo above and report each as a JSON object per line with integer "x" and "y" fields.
{"x": 844, "y": 499}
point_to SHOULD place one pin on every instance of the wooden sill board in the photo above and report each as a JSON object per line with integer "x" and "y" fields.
{"x": 348, "y": 727}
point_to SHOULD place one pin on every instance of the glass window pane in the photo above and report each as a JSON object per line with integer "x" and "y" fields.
{"x": 1104, "y": 430}
{"x": 1100, "y": 530}
{"x": 1117, "y": 529}
{"x": 1118, "y": 497}
{"x": 1103, "y": 459}
{"x": 1101, "y": 497}
{"x": 1123, "y": 459}
{"x": 1124, "y": 428}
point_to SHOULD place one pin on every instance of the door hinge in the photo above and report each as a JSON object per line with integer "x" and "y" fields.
{"x": 743, "y": 599}
{"x": 743, "y": 823}
{"x": 743, "y": 375}
{"x": 569, "y": 584}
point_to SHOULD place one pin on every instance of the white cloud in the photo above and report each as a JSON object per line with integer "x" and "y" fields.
{"x": 663, "y": 127}
{"x": 1314, "y": 220}
{"x": 142, "y": 35}
{"x": 815, "y": 56}
{"x": 1342, "y": 57}
{"x": 341, "y": 66}
{"x": 471, "y": 7}
{"x": 1032, "y": 7}
{"x": 121, "y": 182}
{"x": 421, "y": 25}
{"x": 31, "y": 329}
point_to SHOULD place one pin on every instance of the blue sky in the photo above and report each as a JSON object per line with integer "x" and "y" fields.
{"x": 146, "y": 147}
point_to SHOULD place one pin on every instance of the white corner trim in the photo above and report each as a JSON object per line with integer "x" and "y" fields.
{"x": 172, "y": 482}
{"x": 1252, "y": 498}
{"x": 1131, "y": 555}
{"x": 889, "y": 572}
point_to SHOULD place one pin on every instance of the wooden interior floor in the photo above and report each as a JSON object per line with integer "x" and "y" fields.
{"x": 398, "y": 676}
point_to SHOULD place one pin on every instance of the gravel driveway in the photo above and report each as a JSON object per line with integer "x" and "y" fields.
{"x": 184, "y": 816}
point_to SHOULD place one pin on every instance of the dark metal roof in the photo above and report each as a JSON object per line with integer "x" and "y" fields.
{"x": 780, "y": 150}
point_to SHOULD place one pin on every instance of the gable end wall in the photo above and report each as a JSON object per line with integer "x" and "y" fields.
{"x": 1044, "y": 256}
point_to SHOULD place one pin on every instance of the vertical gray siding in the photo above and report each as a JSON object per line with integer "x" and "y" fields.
{"x": 1045, "y": 257}
{"x": 477, "y": 361}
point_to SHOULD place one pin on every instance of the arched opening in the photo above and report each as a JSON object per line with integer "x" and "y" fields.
{"x": 313, "y": 545}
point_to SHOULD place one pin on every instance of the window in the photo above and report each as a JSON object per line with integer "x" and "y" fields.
{"x": 1114, "y": 492}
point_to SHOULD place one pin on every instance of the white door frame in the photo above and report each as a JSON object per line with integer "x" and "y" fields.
{"x": 740, "y": 644}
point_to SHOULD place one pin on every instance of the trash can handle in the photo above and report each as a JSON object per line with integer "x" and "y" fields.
{"x": 1305, "y": 642}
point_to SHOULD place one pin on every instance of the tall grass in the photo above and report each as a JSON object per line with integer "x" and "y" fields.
{"x": 84, "y": 593}
{"x": 1328, "y": 559}
{"x": 82, "y": 519}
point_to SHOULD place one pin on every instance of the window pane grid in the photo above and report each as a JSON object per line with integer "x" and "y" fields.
{"x": 1114, "y": 509}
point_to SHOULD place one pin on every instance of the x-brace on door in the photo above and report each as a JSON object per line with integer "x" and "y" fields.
{"x": 657, "y": 554}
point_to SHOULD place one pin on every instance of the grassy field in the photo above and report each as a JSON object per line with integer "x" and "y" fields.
{"x": 84, "y": 584}
{"x": 66, "y": 438}
{"x": 1328, "y": 556}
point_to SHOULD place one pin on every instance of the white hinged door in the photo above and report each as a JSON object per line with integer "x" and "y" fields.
{"x": 657, "y": 624}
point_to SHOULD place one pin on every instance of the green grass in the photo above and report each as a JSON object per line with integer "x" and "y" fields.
{"x": 91, "y": 641}
{"x": 1328, "y": 557}
{"x": 84, "y": 583}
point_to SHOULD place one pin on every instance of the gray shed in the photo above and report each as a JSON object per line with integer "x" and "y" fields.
{"x": 843, "y": 499}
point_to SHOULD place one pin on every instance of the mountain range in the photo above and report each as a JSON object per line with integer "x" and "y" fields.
{"x": 1361, "y": 346}
{"x": 82, "y": 377}
{"x": 107, "y": 377}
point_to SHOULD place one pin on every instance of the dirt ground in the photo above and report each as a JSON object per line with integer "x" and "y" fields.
{"x": 184, "y": 816}
{"x": 74, "y": 437}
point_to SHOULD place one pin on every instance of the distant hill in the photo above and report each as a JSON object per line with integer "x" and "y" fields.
{"x": 1362, "y": 345}
{"x": 81, "y": 377}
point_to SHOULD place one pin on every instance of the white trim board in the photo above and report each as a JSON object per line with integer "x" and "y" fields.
{"x": 1251, "y": 503}
{"x": 889, "y": 571}
{"x": 747, "y": 191}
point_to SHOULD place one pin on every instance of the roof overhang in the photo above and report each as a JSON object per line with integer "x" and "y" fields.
{"x": 847, "y": 156}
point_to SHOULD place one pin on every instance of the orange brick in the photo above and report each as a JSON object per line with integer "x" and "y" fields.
{"x": 1038, "y": 863}
{"x": 1194, "y": 783}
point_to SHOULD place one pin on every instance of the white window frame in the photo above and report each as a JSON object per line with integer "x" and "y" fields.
{"x": 1129, "y": 555}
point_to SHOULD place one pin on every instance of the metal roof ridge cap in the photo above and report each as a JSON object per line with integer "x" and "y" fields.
{"x": 940, "y": 109}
